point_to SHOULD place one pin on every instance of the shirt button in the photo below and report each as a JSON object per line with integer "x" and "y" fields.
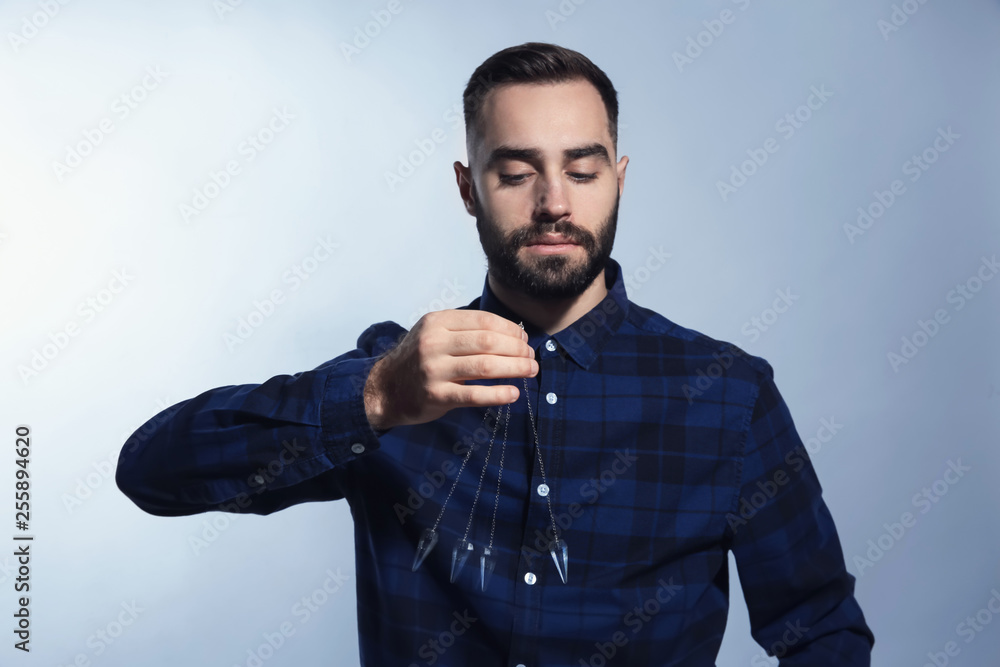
{"x": 543, "y": 490}
{"x": 357, "y": 448}
{"x": 551, "y": 398}
{"x": 520, "y": 664}
{"x": 550, "y": 345}
{"x": 529, "y": 578}
{"x": 258, "y": 479}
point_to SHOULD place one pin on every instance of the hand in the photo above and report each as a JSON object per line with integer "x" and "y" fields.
{"x": 424, "y": 376}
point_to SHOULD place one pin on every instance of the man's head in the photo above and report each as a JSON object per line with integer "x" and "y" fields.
{"x": 541, "y": 132}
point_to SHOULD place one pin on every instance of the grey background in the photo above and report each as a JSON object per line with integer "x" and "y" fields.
{"x": 410, "y": 248}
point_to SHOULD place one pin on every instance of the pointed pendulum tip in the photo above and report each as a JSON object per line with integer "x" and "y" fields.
{"x": 486, "y": 566}
{"x": 560, "y": 554}
{"x": 459, "y": 555}
{"x": 427, "y": 541}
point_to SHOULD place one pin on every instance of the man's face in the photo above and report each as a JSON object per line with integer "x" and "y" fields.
{"x": 546, "y": 188}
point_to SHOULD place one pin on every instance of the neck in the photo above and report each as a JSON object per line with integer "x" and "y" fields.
{"x": 551, "y": 315}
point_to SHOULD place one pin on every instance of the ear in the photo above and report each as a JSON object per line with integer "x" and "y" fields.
{"x": 463, "y": 176}
{"x": 622, "y": 164}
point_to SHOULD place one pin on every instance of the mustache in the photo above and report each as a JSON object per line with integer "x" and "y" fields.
{"x": 532, "y": 235}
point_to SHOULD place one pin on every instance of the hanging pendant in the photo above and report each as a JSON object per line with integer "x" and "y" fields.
{"x": 560, "y": 554}
{"x": 487, "y": 563}
{"x": 459, "y": 555}
{"x": 427, "y": 541}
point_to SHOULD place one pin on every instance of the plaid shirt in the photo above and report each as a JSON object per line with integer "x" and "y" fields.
{"x": 663, "y": 450}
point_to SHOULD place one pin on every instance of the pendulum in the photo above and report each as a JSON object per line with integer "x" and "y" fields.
{"x": 463, "y": 547}
{"x": 487, "y": 563}
{"x": 557, "y": 547}
{"x": 429, "y": 538}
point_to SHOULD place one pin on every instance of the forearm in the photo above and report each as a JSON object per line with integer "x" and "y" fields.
{"x": 252, "y": 448}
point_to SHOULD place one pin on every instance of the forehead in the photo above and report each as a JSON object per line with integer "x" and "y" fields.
{"x": 547, "y": 116}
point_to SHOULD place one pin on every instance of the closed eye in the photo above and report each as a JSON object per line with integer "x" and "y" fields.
{"x": 517, "y": 179}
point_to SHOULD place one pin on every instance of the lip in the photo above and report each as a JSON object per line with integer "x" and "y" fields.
{"x": 553, "y": 240}
{"x": 550, "y": 248}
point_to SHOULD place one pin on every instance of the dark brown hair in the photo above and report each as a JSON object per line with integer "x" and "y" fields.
{"x": 536, "y": 62}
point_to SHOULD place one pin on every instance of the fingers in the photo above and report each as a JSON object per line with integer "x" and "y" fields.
{"x": 478, "y": 396}
{"x": 482, "y": 366}
{"x": 459, "y": 333}
{"x": 462, "y": 320}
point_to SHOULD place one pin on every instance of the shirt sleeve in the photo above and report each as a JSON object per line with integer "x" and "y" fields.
{"x": 798, "y": 591}
{"x": 258, "y": 448}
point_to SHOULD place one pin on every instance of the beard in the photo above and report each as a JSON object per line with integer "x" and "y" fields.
{"x": 546, "y": 277}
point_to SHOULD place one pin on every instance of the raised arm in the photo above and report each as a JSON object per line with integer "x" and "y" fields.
{"x": 257, "y": 448}
{"x": 261, "y": 448}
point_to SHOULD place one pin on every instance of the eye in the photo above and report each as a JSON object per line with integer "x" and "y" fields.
{"x": 583, "y": 177}
{"x": 513, "y": 179}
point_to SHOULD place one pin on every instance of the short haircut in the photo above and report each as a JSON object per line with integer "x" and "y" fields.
{"x": 536, "y": 62}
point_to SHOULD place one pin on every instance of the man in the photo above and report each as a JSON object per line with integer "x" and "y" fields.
{"x": 634, "y": 454}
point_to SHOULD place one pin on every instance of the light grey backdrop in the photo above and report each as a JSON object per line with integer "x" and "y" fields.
{"x": 756, "y": 131}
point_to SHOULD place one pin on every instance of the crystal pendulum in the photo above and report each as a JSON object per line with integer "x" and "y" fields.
{"x": 558, "y": 548}
{"x": 463, "y": 548}
{"x": 429, "y": 538}
{"x": 487, "y": 563}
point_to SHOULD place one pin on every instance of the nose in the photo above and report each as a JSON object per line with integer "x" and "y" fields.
{"x": 551, "y": 202}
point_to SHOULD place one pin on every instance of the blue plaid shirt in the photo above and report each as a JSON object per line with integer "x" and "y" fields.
{"x": 663, "y": 450}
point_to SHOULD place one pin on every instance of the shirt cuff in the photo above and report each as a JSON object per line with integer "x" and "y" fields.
{"x": 344, "y": 427}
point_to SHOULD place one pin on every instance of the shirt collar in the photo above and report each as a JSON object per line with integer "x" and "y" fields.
{"x": 585, "y": 338}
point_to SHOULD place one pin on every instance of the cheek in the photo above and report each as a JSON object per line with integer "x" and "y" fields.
{"x": 595, "y": 205}
{"x": 510, "y": 209}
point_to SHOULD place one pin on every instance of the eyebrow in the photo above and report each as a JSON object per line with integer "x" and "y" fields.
{"x": 534, "y": 155}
